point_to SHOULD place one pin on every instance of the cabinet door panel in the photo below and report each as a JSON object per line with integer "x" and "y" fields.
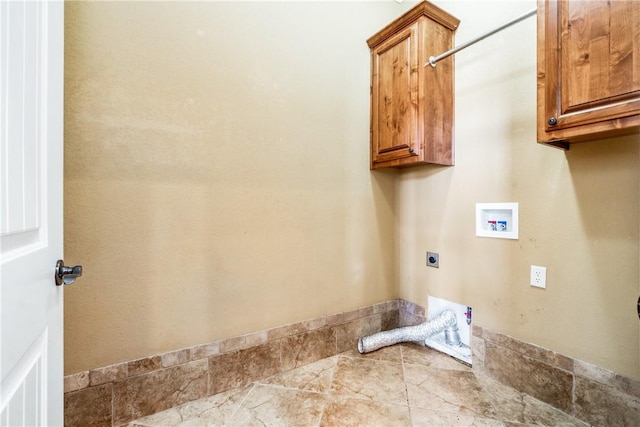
{"x": 394, "y": 94}
{"x": 625, "y": 45}
{"x": 593, "y": 74}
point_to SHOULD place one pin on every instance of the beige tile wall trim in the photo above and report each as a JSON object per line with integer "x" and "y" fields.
{"x": 115, "y": 395}
{"x": 94, "y": 377}
{"x": 588, "y": 392}
{"x": 97, "y": 397}
{"x": 574, "y": 366}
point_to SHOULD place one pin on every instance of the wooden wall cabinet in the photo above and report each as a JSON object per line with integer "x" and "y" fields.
{"x": 412, "y": 104}
{"x": 588, "y": 70}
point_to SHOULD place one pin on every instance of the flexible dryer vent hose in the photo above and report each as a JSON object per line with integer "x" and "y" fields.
{"x": 446, "y": 321}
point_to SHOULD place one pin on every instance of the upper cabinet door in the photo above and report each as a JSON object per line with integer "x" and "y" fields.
{"x": 394, "y": 93}
{"x": 588, "y": 70}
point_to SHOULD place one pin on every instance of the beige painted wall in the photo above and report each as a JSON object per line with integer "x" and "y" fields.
{"x": 217, "y": 183}
{"x": 216, "y": 172}
{"x": 578, "y": 210}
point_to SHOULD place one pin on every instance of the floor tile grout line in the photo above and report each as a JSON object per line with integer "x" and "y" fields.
{"x": 490, "y": 399}
{"x": 262, "y": 381}
{"x": 329, "y": 395}
{"x": 372, "y": 360}
{"x": 333, "y": 375}
{"x": 404, "y": 381}
{"x": 239, "y": 405}
{"x": 284, "y": 387}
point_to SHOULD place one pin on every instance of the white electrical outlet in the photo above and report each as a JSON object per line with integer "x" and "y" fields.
{"x": 538, "y": 276}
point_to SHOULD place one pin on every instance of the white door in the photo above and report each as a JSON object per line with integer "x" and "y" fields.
{"x": 31, "y": 364}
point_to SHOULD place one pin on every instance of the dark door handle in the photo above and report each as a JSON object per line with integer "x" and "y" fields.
{"x": 67, "y": 275}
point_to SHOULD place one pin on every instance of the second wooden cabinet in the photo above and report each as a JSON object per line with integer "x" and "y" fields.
{"x": 412, "y": 104}
{"x": 588, "y": 70}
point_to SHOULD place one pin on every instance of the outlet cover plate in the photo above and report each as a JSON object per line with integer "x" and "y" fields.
{"x": 433, "y": 260}
{"x": 538, "y": 276}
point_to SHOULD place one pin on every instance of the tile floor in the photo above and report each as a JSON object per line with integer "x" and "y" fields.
{"x": 401, "y": 385}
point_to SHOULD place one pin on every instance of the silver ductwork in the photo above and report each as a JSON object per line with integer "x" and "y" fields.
{"x": 444, "y": 322}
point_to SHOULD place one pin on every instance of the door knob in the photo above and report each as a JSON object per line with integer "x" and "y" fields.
{"x": 67, "y": 275}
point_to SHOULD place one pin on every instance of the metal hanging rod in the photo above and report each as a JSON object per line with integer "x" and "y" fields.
{"x": 434, "y": 59}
